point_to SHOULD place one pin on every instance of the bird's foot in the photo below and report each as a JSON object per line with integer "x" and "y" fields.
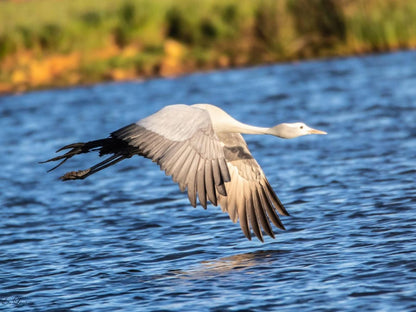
{"x": 74, "y": 175}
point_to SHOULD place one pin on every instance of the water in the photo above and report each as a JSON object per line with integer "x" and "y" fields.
{"x": 126, "y": 239}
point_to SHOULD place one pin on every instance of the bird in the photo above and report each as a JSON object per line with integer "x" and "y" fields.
{"x": 202, "y": 148}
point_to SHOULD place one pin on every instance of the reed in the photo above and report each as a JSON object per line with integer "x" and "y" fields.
{"x": 77, "y": 41}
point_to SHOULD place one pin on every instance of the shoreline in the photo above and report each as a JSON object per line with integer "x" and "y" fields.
{"x": 15, "y": 89}
{"x": 99, "y": 41}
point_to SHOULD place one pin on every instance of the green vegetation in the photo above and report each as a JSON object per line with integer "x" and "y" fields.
{"x": 47, "y": 42}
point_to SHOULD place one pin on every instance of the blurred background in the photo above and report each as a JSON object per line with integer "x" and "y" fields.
{"x": 50, "y": 43}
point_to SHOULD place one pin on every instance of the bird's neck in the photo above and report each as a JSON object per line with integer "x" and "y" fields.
{"x": 234, "y": 126}
{"x": 224, "y": 123}
{"x": 239, "y": 127}
{"x": 248, "y": 129}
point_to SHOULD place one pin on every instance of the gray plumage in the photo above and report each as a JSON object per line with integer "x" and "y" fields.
{"x": 201, "y": 147}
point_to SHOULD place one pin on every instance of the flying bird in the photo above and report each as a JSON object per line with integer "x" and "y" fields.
{"x": 201, "y": 147}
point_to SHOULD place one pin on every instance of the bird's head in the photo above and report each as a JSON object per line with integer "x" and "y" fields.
{"x": 293, "y": 130}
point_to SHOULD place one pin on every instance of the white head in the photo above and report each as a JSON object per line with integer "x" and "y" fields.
{"x": 293, "y": 130}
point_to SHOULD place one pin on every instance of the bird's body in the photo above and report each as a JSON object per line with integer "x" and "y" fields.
{"x": 201, "y": 147}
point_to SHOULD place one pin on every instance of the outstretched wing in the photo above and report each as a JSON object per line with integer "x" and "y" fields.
{"x": 182, "y": 141}
{"x": 250, "y": 198}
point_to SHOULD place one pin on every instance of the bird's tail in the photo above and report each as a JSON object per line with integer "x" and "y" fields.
{"x": 118, "y": 148}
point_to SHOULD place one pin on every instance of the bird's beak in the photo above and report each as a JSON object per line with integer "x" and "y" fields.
{"x": 315, "y": 131}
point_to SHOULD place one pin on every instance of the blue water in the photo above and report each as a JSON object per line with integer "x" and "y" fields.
{"x": 126, "y": 238}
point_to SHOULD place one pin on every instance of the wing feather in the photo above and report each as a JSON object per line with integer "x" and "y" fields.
{"x": 209, "y": 183}
{"x": 221, "y": 189}
{"x": 216, "y": 173}
{"x": 182, "y": 173}
{"x": 224, "y": 169}
{"x": 200, "y": 184}
{"x": 275, "y": 200}
{"x": 260, "y": 204}
{"x": 242, "y": 213}
{"x": 232, "y": 198}
{"x": 201, "y": 145}
{"x": 264, "y": 207}
{"x": 253, "y": 216}
{"x": 180, "y": 162}
{"x": 191, "y": 180}
{"x": 169, "y": 159}
{"x": 269, "y": 208}
{"x": 158, "y": 149}
{"x": 223, "y": 202}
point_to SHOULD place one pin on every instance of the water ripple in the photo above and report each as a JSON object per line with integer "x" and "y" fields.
{"x": 127, "y": 239}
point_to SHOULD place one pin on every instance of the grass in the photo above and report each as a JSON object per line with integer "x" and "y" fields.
{"x": 49, "y": 42}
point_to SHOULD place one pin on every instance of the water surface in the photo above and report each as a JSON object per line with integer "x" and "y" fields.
{"x": 127, "y": 239}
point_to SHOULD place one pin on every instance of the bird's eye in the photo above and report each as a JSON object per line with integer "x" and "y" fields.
{"x": 301, "y": 127}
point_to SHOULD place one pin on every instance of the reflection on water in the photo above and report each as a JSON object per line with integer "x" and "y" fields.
{"x": 127, "y": 239}
{"x": 237, "y": 262}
